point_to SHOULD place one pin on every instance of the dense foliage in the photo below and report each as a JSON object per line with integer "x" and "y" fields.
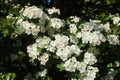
{"x": 59, "y": 40}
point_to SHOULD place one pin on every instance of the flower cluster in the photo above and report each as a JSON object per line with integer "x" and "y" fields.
{"x": 72, "y": 64}
{"x": 32, "y": 50}
{"x": 29, "y": 27}
{"x": 116, "y": 20}
{"x": 113, "y": 39}
{"x": 56, "y": 23}
{"x": 32, "y": 12}
{"x": 88, "y": 72}
{"x": 66, "y": 40}
{"x": 53, "y": 10}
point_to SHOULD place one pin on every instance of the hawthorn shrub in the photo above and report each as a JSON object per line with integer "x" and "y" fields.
{"x": 59, "y": 40}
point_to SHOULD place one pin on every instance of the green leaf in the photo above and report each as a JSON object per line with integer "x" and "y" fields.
{"x": 55, "y": 57}
{"x": 60, "y": 66}
{"x": 81, "y": 45}
{"x": 5, "y": 33}
{"x": 19, "y": 30}
{"x": 110, "y": 1}
{"x": 39, "y": 49}
{"x": 109, "y": 65}
{"x": 49, "y": 78}
{"x": 87, "y": 0}
{"x": 92, "y": 48}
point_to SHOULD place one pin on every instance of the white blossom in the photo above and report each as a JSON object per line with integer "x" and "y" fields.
{"x": 90, "y": 73}
{"x": 32, "y": 51}
{"x": 60, "y": 41}
{"x": 43, "y": 19}
{"x": 29, "y": 28}
{"x": 116, "y": 20}
{"x": 113, "y": 39}
{"x": 106, "y": 27}
{"x": 44, "y": 58}
{"x": 43, "y": 42}
{"x": 117, "y": 63}
{"x": 20, "y": 20}
{"x": 86, "y": 37}
{"x": 88, "y": 26}
{"x": 75, "y": 49}
{"x": 110, "y": 75}
{"x": 70, "y": 65}
{"x": 53, "y": 10}
{"x": 32, "y": 12}
{"x": 74, "y": 40}
{"x": 56, "y": 23}
{"x": 89, "y": 58}
{"x": 95, "y": 38}
{"x": 75, "y": 19}
{"x": 91, "y": 33}
{"x": 7, "y": 1}
{"x": 79, "y": 35}
{"x": 74, "y": 79}
{"x": 41, "y": 73}
{"x": 81, "y": 66}
{"x": 73, "y": 28}
{"x": 95, "y": 21}
{"x": 50, "y": 47}
{"x": 66, "y": 52}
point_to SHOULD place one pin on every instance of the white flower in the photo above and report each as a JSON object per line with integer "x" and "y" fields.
{"x": 30, "y": 28}
{"x": 113, "y": 39}
{"x": 117, "y": 63}
{"x": 9, "y": 16}
{"x": 86, "y": 37}
{"x": 116, "y": 20}
{"x": 73, "y": 28}
{"x": 89, "y": 58}
{"x": 43, "y": 19}
{"x": 81, "y": 66}
{"x": 70, "y": 65}
{"x": 87, "y": 78}
{"x": 50, "y": 47}
{"x": 75, "y": 19}
{"x": 43, "y": 42}
{"x": 42, "y": 73}
{"x": 7, "y": 1}
{"x": 106, "y": 27}
{"x": 63, "y": 54}
{"x": 88, "y": 26}
{"x": 95, "y": 21}
{"x": 74, "y": 40}
{"x": 110, "y": 75}
{"x": 53, "y": 10}
{"x": 79, "y": 35}
{"x": 74, "y": 79}
{"x": 32, "y": 12}
{"x": 32, "y": 51}
{"x": 60, "y": 41}
{"x": 44, "y": 58}
{"x": 91, "y": 71}
{"x": 56, "y": 23}
{"x": 92, "y": 26}
{"x": 75, "y": 49}
{"x": 20, "y": 20}
{"x": 95, "y": 38}
{"x": 66, "y": 52}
